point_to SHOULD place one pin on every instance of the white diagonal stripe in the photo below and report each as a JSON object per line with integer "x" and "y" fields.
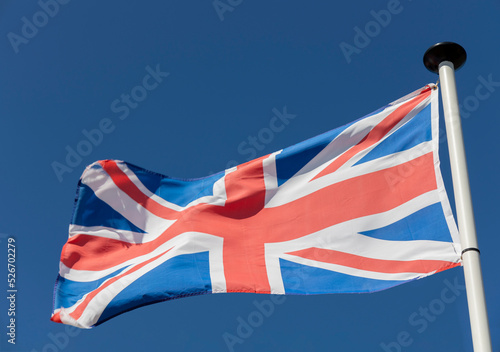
{"x": 106, "y": 190}
{"x": 187, "y": 243}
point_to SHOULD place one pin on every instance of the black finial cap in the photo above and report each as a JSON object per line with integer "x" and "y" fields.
{"x": 445, "y": 51}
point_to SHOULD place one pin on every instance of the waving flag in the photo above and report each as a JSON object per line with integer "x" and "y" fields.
{"x": 358, "y": 209}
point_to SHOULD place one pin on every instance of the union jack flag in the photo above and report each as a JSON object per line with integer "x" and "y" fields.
{"x": 358, "y": 209}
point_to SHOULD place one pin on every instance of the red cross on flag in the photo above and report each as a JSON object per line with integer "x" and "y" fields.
{"x": 360, "y": 208}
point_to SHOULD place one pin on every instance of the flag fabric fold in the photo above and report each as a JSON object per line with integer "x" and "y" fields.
{"x": 360, "y": 208}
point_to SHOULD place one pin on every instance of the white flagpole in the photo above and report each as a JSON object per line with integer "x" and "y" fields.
{"x": 444, "y": 58}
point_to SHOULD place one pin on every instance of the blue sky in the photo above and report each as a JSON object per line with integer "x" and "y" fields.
{"x": 67, "y": 68}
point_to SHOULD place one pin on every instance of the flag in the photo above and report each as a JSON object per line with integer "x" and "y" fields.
{"x": 360, "y": 208}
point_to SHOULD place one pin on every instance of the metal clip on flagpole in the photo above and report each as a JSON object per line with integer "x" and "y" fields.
{"x": 444, "y": 58}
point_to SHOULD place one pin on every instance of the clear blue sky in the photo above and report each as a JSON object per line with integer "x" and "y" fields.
{"x": 227, "y": 72}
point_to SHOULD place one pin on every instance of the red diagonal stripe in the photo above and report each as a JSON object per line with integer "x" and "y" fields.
{"x": 56, "y": 318}
{"x": 77, "y": 313}
{"x": 376, "y": 134}
{"x": 422, "y": 266}
{"x": 123, "y": 182}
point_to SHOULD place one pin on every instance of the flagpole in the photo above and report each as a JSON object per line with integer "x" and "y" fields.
{"x": 444, "y": 58}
